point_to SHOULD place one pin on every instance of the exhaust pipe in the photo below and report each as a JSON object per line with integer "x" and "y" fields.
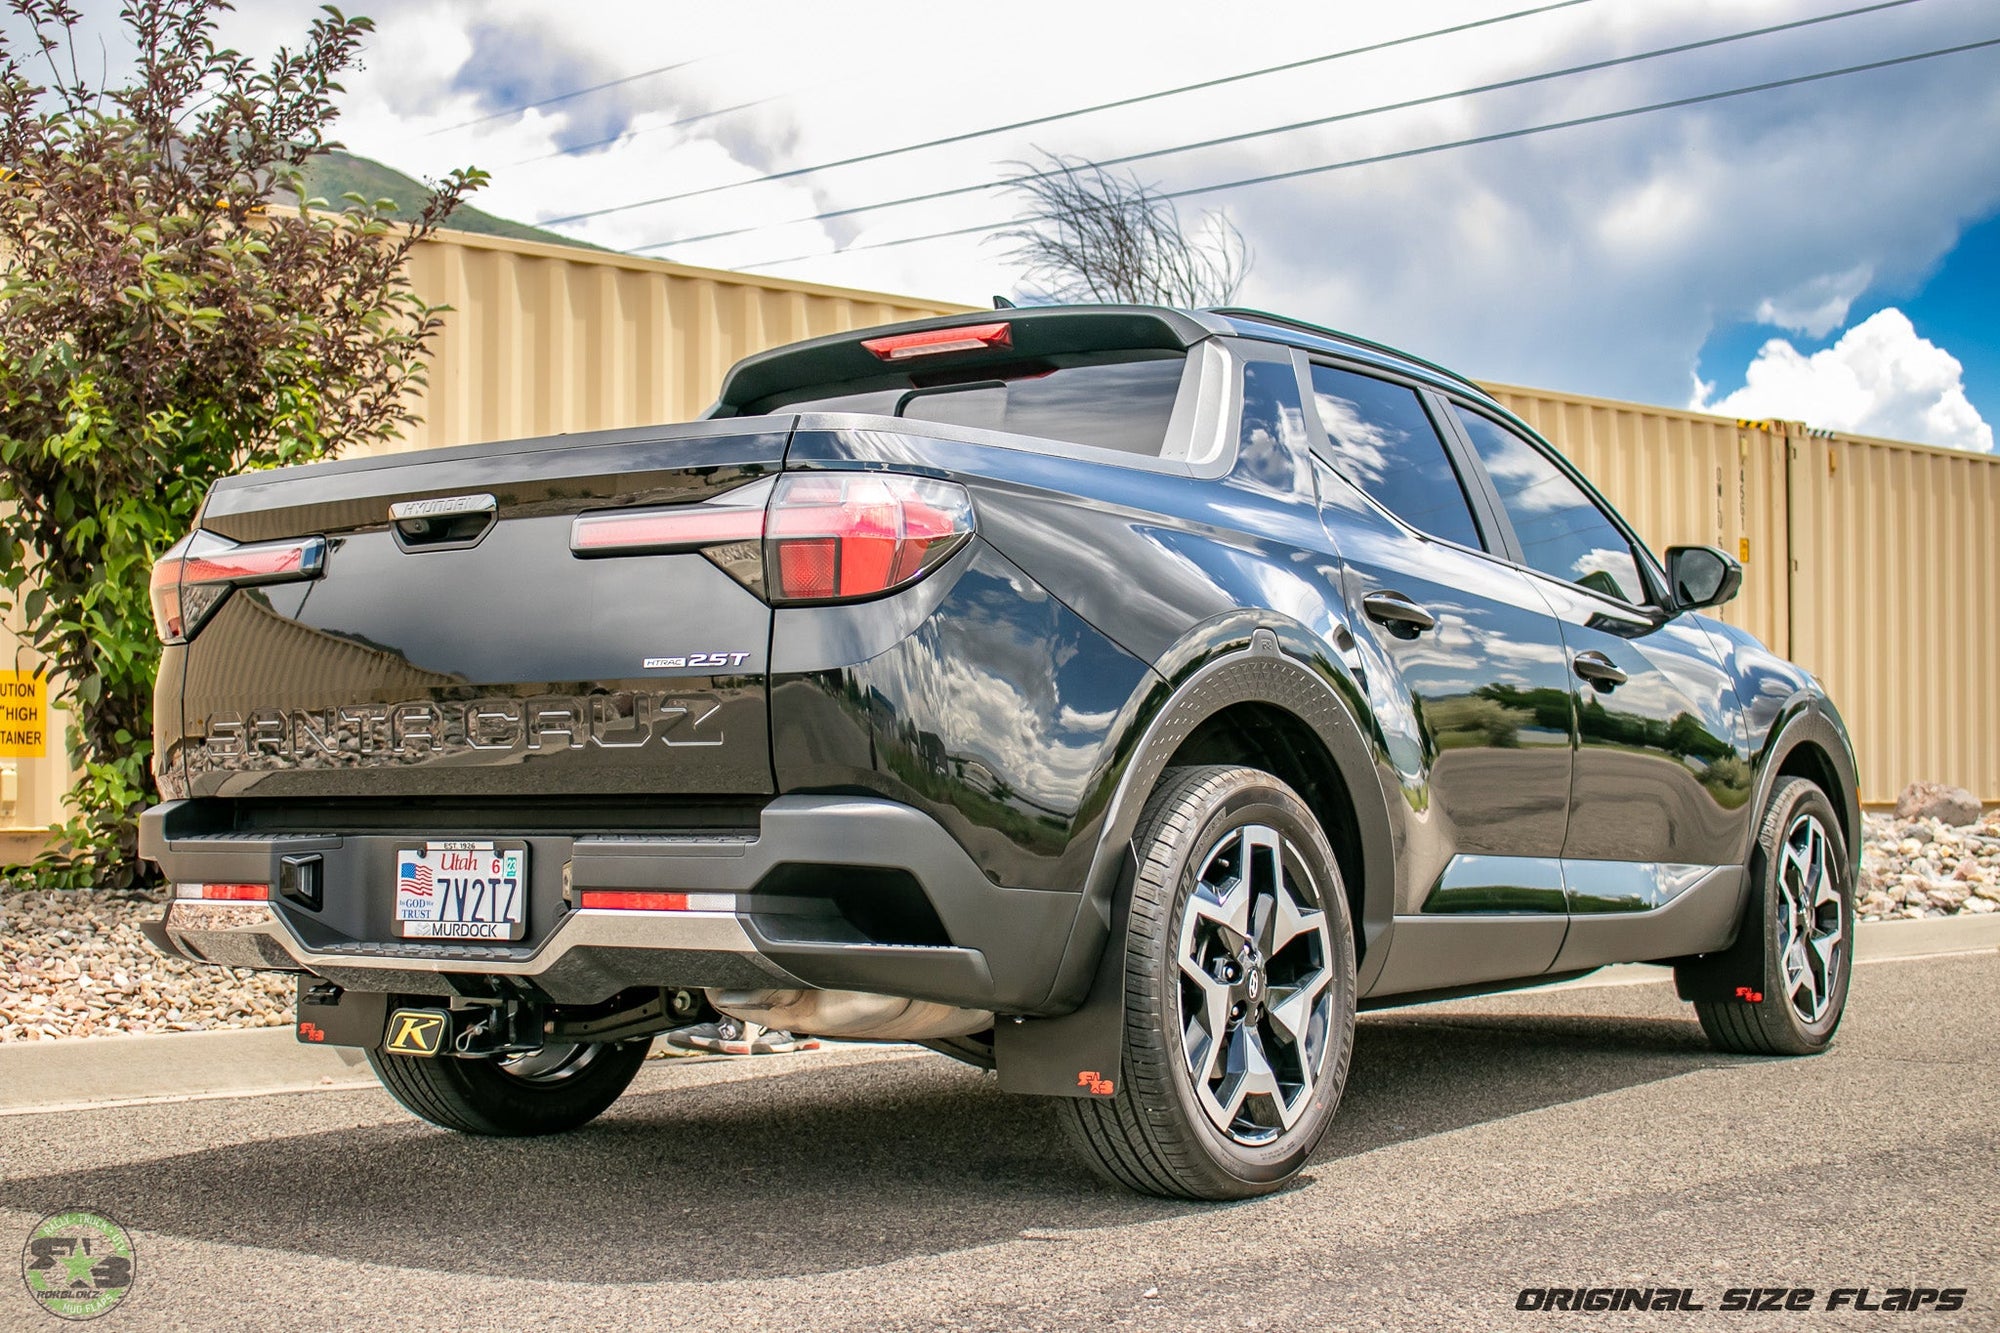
{"x": 851, "y": 1014}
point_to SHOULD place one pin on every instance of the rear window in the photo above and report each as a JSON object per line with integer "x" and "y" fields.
{"x": 1109, "y": 404}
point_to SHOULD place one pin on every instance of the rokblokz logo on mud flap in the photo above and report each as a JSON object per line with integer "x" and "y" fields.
{"x": 78, "y": 1264}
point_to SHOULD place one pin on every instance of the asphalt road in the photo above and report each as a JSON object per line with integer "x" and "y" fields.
{"x": 1579, "y": 1137}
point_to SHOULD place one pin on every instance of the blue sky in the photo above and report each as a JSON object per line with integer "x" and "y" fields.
{"x": 1956, "y": 306}
{"x": 1823, "y": 251}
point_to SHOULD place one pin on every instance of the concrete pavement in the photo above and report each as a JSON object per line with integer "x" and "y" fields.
{"x": 1563, "y": 1137}
{"x": 262, "y": 1061}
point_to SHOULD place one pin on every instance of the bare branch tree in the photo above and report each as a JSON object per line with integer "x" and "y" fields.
{"x": 1089, "y": 234}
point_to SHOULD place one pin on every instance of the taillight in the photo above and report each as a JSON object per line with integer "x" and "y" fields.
{"x": 816, "y": 536}
{"x": 835, "y": 536}
{"x": 650, "y": 900}
{"x": 193, "y": 577}
{"x": 224, "y": 893}
{"x": 935, "y": 342}
{"x": 736, "y": 516}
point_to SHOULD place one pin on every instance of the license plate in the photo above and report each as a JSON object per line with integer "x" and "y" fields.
{"x": 462, "y": 891}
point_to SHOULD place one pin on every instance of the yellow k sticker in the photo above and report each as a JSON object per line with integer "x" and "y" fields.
{"x": 416, "y": 1031}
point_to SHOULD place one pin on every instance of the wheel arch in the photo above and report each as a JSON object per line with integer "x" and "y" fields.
{"x": 1260, "y": 693}
{"x": 1810, "y": 741}
{"x": 1267, "y": 736}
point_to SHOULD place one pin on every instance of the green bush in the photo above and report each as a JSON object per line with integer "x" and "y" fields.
{"x": 172, "y": 309}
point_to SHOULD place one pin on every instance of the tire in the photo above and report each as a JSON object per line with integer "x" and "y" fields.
{"x": 548, "y": 1092}
{"x": 1800, "y": 940}
{"x": 1177, "y": 1123}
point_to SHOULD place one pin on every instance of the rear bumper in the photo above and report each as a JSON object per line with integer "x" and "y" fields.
{"x": 985, "y": 946}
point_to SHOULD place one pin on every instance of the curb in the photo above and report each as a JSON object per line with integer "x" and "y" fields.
{"x": 99, "y": 1072}
{"x": 83, "y": 1071}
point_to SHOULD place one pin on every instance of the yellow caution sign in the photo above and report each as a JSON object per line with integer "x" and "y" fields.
{"x": 24, "y": 715}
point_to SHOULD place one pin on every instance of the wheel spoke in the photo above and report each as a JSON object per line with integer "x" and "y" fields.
{"x": 1226, "y": 904}
{"x": 1291, "y": 918}
{"x": 1208, "y": 1025}
{"x": 1291, "y": 1007}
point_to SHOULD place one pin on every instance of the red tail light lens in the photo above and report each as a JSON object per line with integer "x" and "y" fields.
{"x": 821, "y": 536}
{"x": 224, "y": 893}
{"x": 936, "y": 342}
{"x": 166, "y": 590}
{"x": 837, "y": 536}
{"x": 193, "y": 577}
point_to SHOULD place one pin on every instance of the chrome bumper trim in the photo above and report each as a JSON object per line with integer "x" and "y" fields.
{"x": 254, "y": 935}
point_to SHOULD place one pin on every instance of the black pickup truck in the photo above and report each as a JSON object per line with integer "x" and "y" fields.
{"x": 1117, "y": 697}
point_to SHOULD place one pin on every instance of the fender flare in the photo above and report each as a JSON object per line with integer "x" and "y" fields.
{"x": 1808, "y": 717}
{"x": 1284, "y": 665}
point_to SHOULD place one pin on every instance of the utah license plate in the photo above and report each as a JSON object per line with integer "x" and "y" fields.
{"x": 462, "y": 891}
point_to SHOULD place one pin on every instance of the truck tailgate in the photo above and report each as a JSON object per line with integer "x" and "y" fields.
{"x": 466, "y": 650}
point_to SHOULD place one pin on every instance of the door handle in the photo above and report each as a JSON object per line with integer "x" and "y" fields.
{"x": 1402, "y": 616}
{"x": 1599, "y": 670}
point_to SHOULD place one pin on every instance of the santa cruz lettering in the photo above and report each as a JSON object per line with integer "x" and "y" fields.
{"x": 622, "y": 720}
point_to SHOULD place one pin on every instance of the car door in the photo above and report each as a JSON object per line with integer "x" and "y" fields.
{"x": 1659, "y": 792}
{"x": 1466, "y": 671}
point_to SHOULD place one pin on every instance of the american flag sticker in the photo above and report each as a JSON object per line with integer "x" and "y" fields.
{"x": 414, "y": 877}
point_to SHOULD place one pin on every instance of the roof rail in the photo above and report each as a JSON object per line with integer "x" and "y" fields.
{"x": 1286, "y": 321}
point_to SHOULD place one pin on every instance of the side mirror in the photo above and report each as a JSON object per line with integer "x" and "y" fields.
{"x": 1702, "y": 576}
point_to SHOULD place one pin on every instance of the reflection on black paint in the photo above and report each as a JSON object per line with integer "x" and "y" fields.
{"x": 992, "y": 716}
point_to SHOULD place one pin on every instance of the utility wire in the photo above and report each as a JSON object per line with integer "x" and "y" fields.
{"x": 1600, "y": 118}
{"x": 562, "y": 97}
{"x": 1063, "y": 115}
{"x": 1314, "y": 123}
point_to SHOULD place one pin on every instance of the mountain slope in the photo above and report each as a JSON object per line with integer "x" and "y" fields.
{"x": 338, "y": 173}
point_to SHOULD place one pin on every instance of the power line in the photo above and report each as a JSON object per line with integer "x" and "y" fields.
{"x": 563, "y": 97}
{"x": 1314, "y": 123}
{"x": 1063, "y": 115}
{"x": 1427, "y": 149}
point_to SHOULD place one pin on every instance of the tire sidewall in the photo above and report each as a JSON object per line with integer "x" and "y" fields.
{"x": 1270, "y": 803}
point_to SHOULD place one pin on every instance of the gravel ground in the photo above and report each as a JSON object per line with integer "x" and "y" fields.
{"x": 75, "y": 964}
{"x": 1921, "y": 867}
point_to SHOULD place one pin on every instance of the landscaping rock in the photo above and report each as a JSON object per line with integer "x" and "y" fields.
{"x": 1935, "y": 800}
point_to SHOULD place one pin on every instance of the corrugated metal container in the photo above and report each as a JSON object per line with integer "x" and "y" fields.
{"x": 1896, "y": 604}
{"x": 1874, "y": 563}
{"x": 549, "y": 338}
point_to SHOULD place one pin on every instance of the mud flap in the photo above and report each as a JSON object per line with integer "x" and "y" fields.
{"x": 1728, "y": 973}
{"x": 329, "y": 1016}
{"x": 1079, "y": 1054}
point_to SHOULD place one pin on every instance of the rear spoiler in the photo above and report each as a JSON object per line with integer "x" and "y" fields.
{"x": 842, "y": 360}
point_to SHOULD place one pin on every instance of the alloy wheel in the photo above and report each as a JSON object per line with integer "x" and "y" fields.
{"x": 551, "y": 1064}
{"x": 1255, "y": 985}
{"x": 1812, "y": 929}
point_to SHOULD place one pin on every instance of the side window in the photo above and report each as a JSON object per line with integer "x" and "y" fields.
{"x": 1562, "y": 531}
{"x": 1272, "y": 449}
{"x": 1383, "y": 441}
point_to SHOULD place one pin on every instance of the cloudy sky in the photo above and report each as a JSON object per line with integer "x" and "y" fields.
{"x": 1828, "y": 250}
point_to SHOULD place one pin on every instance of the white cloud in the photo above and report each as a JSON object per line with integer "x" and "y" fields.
{"x": 1597, "y": 258}
{"x": 1819, "y": 305}
{"x": 1880, "y": 378}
